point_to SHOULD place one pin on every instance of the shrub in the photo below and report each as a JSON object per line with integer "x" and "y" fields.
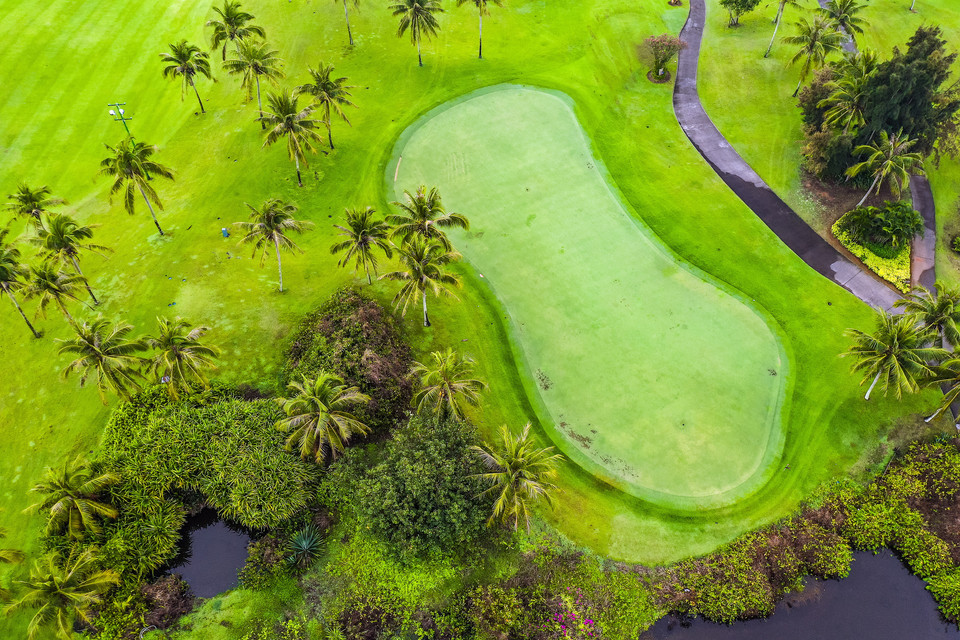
{"x": 827, "y": 154}
{"x": 494, "y": 611}
{"x": 812, "y": 95}
{"x": 304, "y": 547}
{"x": 168, "y": 598}
{"x": 895, "y": 270}
{"x": 945, "y": 588}
{"x": 955, "y": 244}
{"x": 925, "y": 553}
{"x": 264, "y": 564}
{"x": 659, "y": 50}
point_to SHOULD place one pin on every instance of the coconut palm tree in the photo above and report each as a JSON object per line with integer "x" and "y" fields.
{"x": 446, "y": 385}
{"x": 13, "y": 274}
{"x": 186, "y": 61}
{"x": 73, "y": 495}
{"x": 286, "y": 120}
{"x": 255, "y": 60}
{"x": 49, "y": 283}
{"x": 481, "y": 6}
{"x": 422, "y": 215}
{"x": 363, "y": 234}
{"x": 947, "y": 373}
{"x": 938, "y": 311}
{"x": 817, "y": 40}
{"x": 232, "y": 26}
{"x": 130, "y": 166}
{"x": 425, "y": 270}
{"x": 896, "y": 352}
{"x": 271, "y": 224}
{"x": 845, "y": 104}
{"x": 346, "y": 13}
{"x": 105, "y": 351}
{"x": 61, "y": 594}
{"x": 781, "y": 5}
{"x": 318, "y": 416}
{"x": 845, "y": 13}
{"x": 418, "y": 17}
{"x": 27, "y": 202}
{"x": 180, "y": 358}
{"x": 62, "y": 238}
{"x": 890, "y": 159}
{"x": 329, "y": 94}
{"x": 520, "y": 474}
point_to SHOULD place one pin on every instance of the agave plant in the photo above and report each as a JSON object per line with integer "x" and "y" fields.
{"x": 305, "y": 547}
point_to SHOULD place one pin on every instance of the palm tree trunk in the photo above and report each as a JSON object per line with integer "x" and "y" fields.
{"x": 22, "y": 314}
{"x": 297, "y": 160}
{"x": 912, "y": 4}
{"x": 480, "y": 55}
{"x": 419, "y": 57}
{"x": 347, "y": 15}
{"x": 63, "y": 308}
{"x": 329, "y": 134}
{"x": 872, "y": 385}
{"x": 426, "y": 318}
{"x": 279, "y": 266}
{"x": 867, "y": 194}
{"x": 76, "y": 267}
{"x": 263, "y": 125}
{"x": 774, "y": 37}
{"x": 779, "y": 12}
{"x": 194, "y": 85}
{"x": 150, "y": 206}
{"x": 367, "y": 269}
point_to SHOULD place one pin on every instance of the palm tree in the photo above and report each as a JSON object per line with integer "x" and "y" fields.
{"x": 8, "y": 556}
{"x": 49, "y": 283}
{"x": 417, "y": 16}
{"x": 896, "y": 352}
{"x": 104, "y": 350}
{"x": 232, "y": 27}
{"x": 12, "y": 274}
{"x": 938, "y": 311}
{"x": 845, "y": 104}
{"x": 331, "y": 95}
{"x": 61, "y": 238}
{"x": 72, "y": 494}
{"x": 520, "y": 474}
{"x": 817, "y": 40}
{"x": 31, "y": 203}
{"x": 446, "y": 386}
{"x": 180, "y": 358}
{"x": 890, "y": 159}
{"x": 363, "y": 234}
{"x": 425, "y": 264}
{"x": 423, "y": 215}
{"x": 186, "y": 61}
{"x": 255, "y": 60}
{"x": 318, "y": 417}
{"x": 129, "y": 166}
{"x": 61, "y": 594}
{"x": 356, "y": 4}
{"x": 271, "y": 224}
{"x": 481, "y": 6}
{"x": 947, "y": 373}
{"x": 845, "y": 14}
{"x": 286, "y": 120}
{"x": 781, "y": 5}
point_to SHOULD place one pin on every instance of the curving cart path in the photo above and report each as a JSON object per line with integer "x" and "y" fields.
{"x": 750, "y": 187}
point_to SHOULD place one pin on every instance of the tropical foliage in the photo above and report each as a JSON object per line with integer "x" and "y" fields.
{"x": 13, "y": 274}
{"x": 329, "y": 94}
{"x": 417, "y": 17}
{"x": 186, "y": 61}
{"x": 73, "y": 496}
{"x": 424, "y": 268}
{"x": 233, "y": 25}
{"x": 180, "y": 358}
{"x": 255, "y": 60}
{"x": 131, "y": 167}
{"x": 363, "y": 234}
{"x": 27, "y": 202}
{"x": 61, "y": 238}
{"x": 105, "y": 351}
{"x": 422, "y": 216}
{"x": 270, "y": 226}
{"x": 285, "y": 120}
{"x": 446, "y": 387}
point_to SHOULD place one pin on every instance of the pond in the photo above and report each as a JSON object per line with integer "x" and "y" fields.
{"x": 211, "y": 553}
{"x": 880, "y": 600}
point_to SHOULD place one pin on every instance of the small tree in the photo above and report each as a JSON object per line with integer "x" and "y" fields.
{"x": 661, "y": 50}
{"x": 737, "y": 8}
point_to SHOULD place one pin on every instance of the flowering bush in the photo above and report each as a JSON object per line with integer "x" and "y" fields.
{"x": 570, "y": 617}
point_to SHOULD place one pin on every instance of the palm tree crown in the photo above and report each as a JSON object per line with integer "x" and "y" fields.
{"x": 271, "y": 224}
{"x": 520, "y": 474}
{"x": 186, "y": 61}
{"x": 423, "y": 215}
{"x": 363, "y": 234}
{"x": 817, "y": 40}
{"x": 233, "y": 26}
{"x": 330, "y": 94}
{"x": 13, "y": 274}
{"x": 896, "y": 352}
{"x": 104, "y": 350}
{"x": 72, "y": 494}
{"x": 845, "y": 13}
{"x": 255, "y": 60}
{"x": 27, "y": 202}
{"x": 180, "y": 357}
{"x": 317, "y": 416}
{"x": 62, "y": 238}
{"x": 446, "y": 385}
{"x": 284, "y": 119}
{"x": 130, "y": 166}
{"x": 417, "y": 17}
{"x": 937, "y": 310}
{"x": 889, "y": 160}
{"x": 61, "y": 594}
{"x": 425, "y": 270}
{"x": 49, "y": 283}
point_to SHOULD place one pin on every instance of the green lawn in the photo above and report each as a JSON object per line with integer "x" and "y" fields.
{"x": 63, "y": 62}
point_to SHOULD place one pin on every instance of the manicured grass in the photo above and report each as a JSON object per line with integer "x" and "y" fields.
{"x": 655, "y": 379}
{"x": 63, "y": 62}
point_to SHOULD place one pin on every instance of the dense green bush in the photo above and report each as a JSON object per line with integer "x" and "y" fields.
{"x": 895, "y": 270}
{"x": 945, "y": 588}
{"x": 357, "y": 339}
{"x": 884, "y": 229}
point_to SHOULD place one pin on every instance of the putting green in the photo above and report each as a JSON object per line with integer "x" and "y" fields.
{"x": 648, "y": 373}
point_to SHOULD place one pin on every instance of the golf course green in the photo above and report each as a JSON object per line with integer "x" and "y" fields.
{"x": 653, "y": 376}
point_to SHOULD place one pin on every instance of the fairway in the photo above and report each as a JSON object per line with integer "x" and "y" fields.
{"x": 653, "y": 377}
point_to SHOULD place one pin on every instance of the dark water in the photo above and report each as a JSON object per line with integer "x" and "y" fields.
{"x": 211, "y": 554}
{"x": 880, "y": 600}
